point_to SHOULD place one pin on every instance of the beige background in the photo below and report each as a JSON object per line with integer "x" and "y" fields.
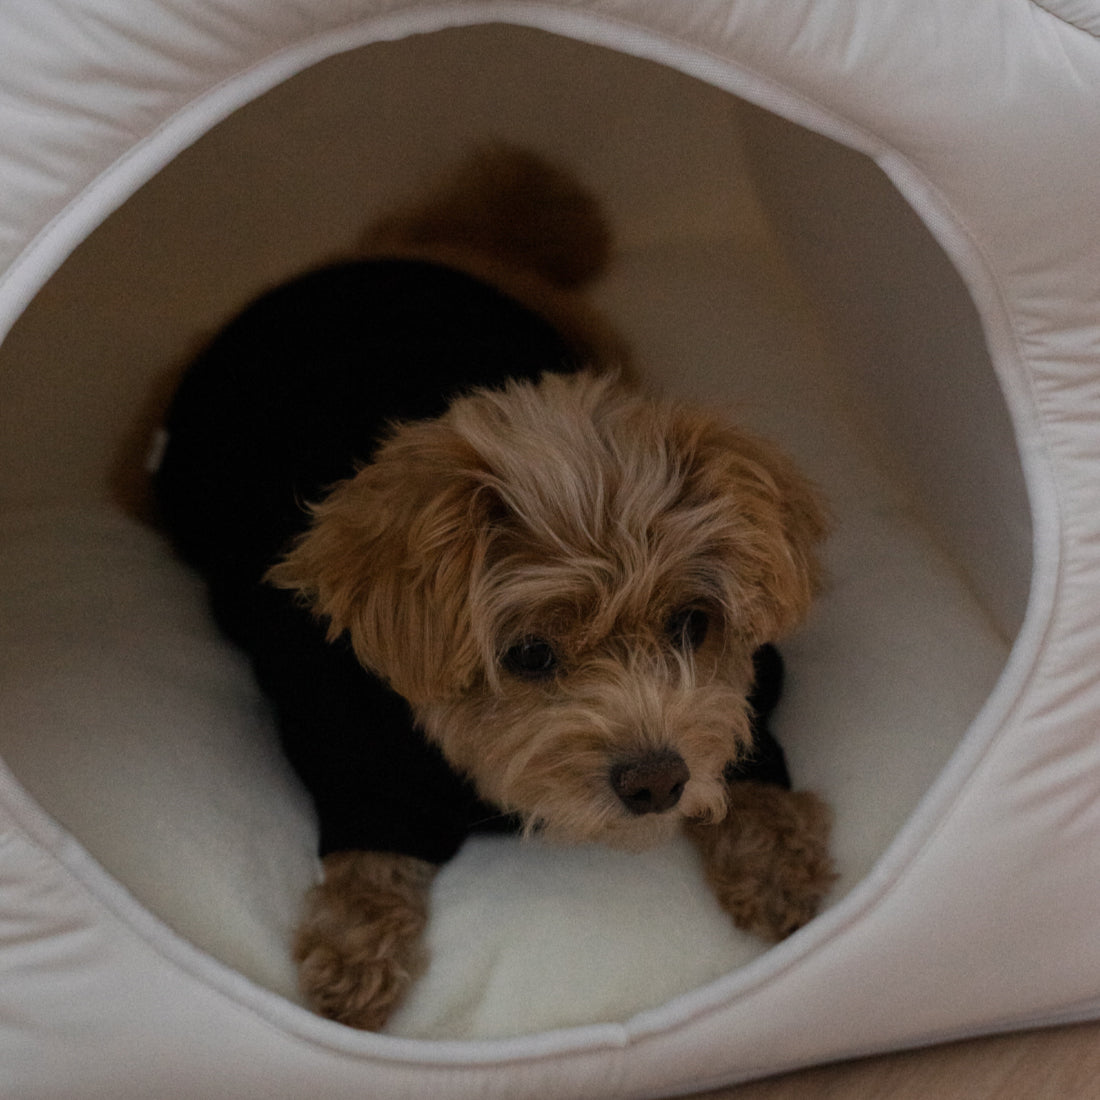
{"x": 1061, "y": 1064}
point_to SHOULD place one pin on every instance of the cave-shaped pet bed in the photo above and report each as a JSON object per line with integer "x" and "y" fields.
{"x": 871, "y": 228}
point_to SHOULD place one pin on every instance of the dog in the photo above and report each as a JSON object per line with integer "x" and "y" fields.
{"x": 488, "y": 583}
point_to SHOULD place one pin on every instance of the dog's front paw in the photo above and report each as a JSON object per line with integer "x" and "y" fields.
{"x": 361, "y": 943}
{"x": 768, "y": 861}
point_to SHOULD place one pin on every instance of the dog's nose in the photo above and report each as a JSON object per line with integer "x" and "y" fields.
{"x": 650, "y": 784}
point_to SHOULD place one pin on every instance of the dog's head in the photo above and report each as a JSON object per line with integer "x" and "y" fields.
{"x": 567, "y": 581}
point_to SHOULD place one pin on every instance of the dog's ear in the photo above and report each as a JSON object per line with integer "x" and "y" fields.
{"x": 391, "y": 557}
{"x": 765, "y": 519}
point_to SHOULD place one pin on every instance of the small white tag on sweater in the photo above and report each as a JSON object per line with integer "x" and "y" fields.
{"x": 155, "y": 455}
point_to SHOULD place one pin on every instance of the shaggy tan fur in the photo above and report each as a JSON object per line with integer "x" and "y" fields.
{"x": 360, "y": 944}
{"x": 582, "y": 513}
{"x": 510, "y": 218}
{"x": 768, "y": 861}
{"x": 567, "y": 581}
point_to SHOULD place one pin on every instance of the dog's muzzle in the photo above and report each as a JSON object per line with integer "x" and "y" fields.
{"x": 650, "y": 784}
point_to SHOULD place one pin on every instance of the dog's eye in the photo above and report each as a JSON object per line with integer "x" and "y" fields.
{"x": 531, "y": 659}
{"x": 687, "y": 628}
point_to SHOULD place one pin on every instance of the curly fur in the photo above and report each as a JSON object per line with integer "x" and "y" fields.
{"x": 578, "y": 511}
{"x": 359, "y": 946}
{"x": 768, "y": 862}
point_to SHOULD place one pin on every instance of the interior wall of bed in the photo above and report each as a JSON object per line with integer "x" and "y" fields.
{"x": 907, "y": 349}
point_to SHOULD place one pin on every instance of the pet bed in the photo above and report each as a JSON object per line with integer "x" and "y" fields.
{"x": 869, "y": 229}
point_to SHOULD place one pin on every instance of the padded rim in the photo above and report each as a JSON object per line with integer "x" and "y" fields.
{"x": 990, "y": 277}
{"x": 1083, "y": 14}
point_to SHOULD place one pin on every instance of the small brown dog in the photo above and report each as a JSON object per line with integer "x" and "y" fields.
{"x": 533, "y": 604}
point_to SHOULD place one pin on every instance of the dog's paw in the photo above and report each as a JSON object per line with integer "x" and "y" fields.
{"x": 768, "y": 861}
{"x": 361, "y": 943}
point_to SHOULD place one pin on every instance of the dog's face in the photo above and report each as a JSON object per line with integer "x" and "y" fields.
{"x": 567, "y": 582}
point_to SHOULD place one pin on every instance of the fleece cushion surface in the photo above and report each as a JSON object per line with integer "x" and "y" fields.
{"x": 131, "y": 721}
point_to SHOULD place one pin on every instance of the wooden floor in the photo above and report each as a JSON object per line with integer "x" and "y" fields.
{"x": 1059, "y": 1064}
